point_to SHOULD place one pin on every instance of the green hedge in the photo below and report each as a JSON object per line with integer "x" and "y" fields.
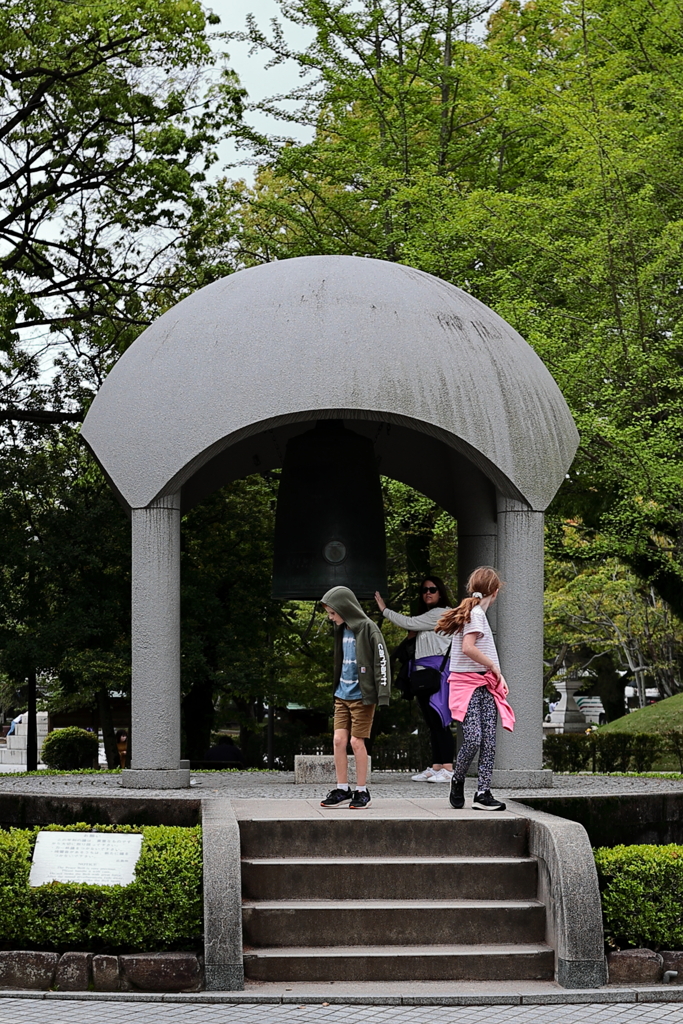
{"x": 161, "y": 910}
{"x": 642, "y": 895}
{"x": 567, "y": 752}
{"x": 390, "y": 751}
{"x": 603, "y": 751}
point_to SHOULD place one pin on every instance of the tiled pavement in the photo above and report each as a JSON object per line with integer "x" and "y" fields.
{"x": 66, "y": 1011}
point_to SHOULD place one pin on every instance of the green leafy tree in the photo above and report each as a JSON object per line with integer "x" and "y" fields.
{"x": 64, "y": 575}
{"x": 109, "y": 114}
{"x": 607, "y": 610}
{"x": 539, "y": 168}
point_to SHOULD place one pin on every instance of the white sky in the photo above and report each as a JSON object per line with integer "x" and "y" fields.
{"x": 259, "y": 82}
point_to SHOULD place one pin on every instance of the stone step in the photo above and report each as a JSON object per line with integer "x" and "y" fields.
{"x": 21, "y": 742}
{"x": 12, "y": 756}
{"x": 341, "y": 834}
{"x": 529, "y": 962}
{"x": 370, "y": 922}
{"x": 493, "y": 878}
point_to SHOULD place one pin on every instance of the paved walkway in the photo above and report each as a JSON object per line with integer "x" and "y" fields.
{"x": 67, "y": 1011}
{"x": 281, "y": 786}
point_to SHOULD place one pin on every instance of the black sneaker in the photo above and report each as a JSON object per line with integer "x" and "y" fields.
{"x": 361, "y": 798}
{"x": 487, "y": 802}
{"x": 336, "y": 797}
{"x": 457, "y": 795}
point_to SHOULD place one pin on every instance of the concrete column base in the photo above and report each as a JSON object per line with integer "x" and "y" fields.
{"x": 520, "y": 778}
{"x": 156, "y": 778}
{"x": 224, "y": 977}
{"x": 581, "y": 973}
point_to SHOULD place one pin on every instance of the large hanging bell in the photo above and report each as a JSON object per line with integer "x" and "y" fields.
{"x": 329, "y": 524}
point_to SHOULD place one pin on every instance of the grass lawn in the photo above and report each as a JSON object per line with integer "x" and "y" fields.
{"x": 657, "y": 718}
{"x": 665, "y": 714}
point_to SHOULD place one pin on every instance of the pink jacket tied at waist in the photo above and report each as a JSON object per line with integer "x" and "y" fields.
{"x": 461, "y": 686}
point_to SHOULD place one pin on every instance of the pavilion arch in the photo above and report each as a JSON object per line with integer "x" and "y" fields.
{"x": 457, "y": 404}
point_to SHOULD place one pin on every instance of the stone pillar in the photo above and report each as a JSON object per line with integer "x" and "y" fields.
{"x": 223, "y": 960}
{"x": 519, "y": 756}
{"x": 155, "y": 685}
{"x": 477, "y": 529}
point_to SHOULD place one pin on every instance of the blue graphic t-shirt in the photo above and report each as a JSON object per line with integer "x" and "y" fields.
{"x": 349, "y": 687}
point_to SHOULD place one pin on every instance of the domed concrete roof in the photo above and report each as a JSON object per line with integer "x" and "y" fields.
{"x": 321, "y": 336}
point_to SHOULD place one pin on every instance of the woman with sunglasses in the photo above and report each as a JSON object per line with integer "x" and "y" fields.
{"x": 430, "y": 648}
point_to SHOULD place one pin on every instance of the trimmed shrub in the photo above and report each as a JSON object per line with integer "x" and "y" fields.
{"x": 602, "y": 751}
{"x": 70, "y": 748}
{"x": 646, "y": 748}
{"x": 642, "y": 895}
{"x": 674, "y": 744}
{"x": 399, "y": 752}
{"x": 613, "y": 751}
{"x": 567, "y": 752}
{"x": 390, "y": 751}
{"x": 161, "y": 910}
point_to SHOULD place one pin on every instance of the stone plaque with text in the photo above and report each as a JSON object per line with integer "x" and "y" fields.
{"x": 94, "y": 858}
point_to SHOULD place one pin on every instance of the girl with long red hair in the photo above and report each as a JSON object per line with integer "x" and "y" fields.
{"x": 477, "y": 690}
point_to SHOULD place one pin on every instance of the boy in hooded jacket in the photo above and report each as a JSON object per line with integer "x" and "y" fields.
{"x": 362, "y": 680}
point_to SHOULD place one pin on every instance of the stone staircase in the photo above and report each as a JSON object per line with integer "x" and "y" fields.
{"x": 360, "y": 898}
{"x": 13, "y": 751}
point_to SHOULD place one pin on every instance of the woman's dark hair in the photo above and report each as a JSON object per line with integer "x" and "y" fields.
{"x": 444, "y": 597}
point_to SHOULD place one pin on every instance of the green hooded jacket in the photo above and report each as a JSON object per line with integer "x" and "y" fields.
{"x": 372, "y": 657}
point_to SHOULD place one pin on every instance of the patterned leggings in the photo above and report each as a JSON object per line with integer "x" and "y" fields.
{"x": 478, "y": 733}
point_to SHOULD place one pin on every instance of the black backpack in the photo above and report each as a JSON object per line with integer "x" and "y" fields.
{"x": 424, "y": 682}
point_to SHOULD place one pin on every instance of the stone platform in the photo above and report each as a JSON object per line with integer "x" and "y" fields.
{"x": 270, "y": 802}
{"x": 278, "y": 785}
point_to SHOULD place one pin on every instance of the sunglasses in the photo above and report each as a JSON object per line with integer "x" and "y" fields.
{"x": 430, "y": 590}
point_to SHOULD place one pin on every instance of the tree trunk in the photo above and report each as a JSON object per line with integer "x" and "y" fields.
{"x": 32, "y": 728}
{"x": 198, "y": 714}
{"x": 107, "y": 726}
{"x": 271, "y": 736}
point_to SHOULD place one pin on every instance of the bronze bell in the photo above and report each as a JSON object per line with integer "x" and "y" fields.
{"x": 329, "y": 524}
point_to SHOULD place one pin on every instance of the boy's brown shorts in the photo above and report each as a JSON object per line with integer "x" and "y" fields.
{"x": 354, "y": 716}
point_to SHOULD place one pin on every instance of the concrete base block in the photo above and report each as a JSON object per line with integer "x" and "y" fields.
{"x": 159, "y": 778}
{"x": 673, "y": 961}
{"x": 160, "y": 972}
{"x": 224, "y": 977}
{"x": 105, "y": 973}
{"x": 503, "y": 778}
{"x": 27, "y": 969}
{"x": 581, "y": 973}
{"x": 635, "y": 967}
{"x": 319, "y": 768}
{"x": 73, "y": 972}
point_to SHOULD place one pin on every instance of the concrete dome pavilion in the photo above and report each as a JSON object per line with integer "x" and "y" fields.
{"x": 457, "y": 403}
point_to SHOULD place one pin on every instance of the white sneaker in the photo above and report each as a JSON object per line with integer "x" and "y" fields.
{"x": 443, "y": 775}
{"x": 425, "y": 776}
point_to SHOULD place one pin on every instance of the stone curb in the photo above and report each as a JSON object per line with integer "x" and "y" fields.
{"x": 568, "y": 886}
{"x": 655, "y": 994}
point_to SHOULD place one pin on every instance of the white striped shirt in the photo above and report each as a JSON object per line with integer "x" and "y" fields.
{"x": 484, "y": 642}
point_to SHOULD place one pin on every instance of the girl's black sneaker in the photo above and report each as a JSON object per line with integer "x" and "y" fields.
{"x": 457, "y": 794}
{"x": 487, "y": 802}
{"x": 361, "y": 798}
{"x": 336, "y": 797}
